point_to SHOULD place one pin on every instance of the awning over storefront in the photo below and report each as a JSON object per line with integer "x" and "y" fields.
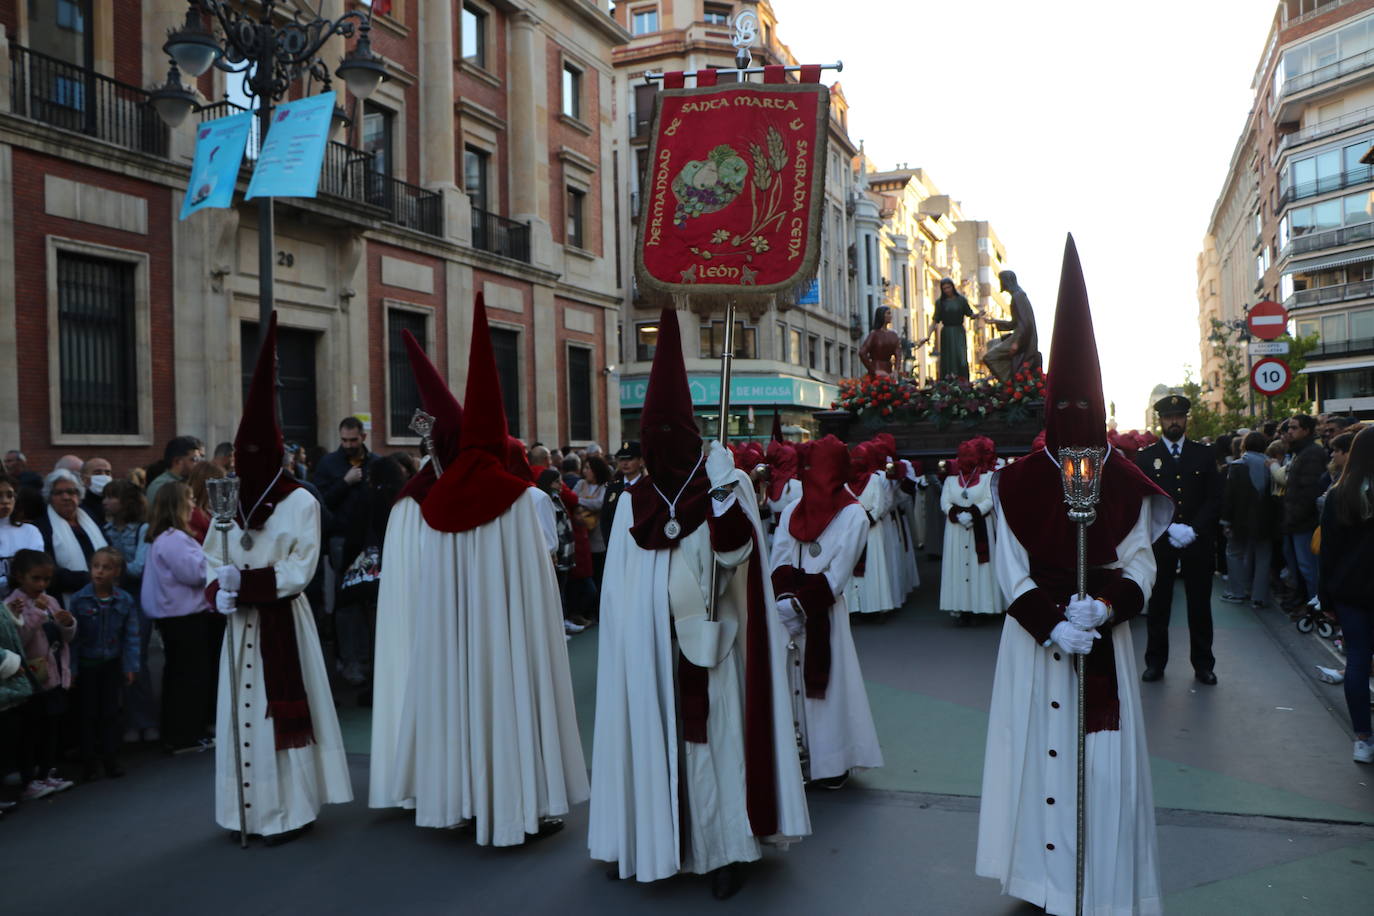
{"x": 1314, "y": 368}
{"x": 780, "y": 390}
{"x": 1336, "y": 260}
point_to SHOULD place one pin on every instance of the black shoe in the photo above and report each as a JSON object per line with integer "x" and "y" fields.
{"x": 281, "y": 839}
{"x": 547, "y": 828}
{"x": 832, "y": 782}
{"x": 1152, "y": 674}
{"x": 613, "y": 873}
{"x": 726, "y": 881}
{"x": 1206, "y": 677}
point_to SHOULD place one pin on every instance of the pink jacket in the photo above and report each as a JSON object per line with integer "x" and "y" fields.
{"x": 30, "y": 619}
{"x": 174, "y": 576}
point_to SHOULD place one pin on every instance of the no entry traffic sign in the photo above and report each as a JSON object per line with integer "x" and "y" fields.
{"x": 1271, "y": 377}
{"x": 1268, "y": 320}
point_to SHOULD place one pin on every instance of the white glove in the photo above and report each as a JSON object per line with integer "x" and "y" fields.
{"x": 1087, "y": 613}
{"x": 1181, "y": 535}
{"x": 720, "y": 465}
{"x": 965, "y": 520}
{"x": 226, "y": 602}
{"x": 794, "y": 621}
{"x": 9, "y": 664}
{"x": 229, "y": 578}
{"x": 1071, "y": 639}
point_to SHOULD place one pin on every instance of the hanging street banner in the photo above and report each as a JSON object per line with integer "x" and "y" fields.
{"x": 215, "y": 166}
{"x": 293, "y": 150}
{"x": 734, "y": 189}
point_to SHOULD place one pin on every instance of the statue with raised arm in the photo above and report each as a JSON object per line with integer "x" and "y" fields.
{"x": 878, "y": 352}
{"x": 1019, "y": 349}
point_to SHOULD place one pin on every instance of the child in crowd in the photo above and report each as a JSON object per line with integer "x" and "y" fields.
{"x": 14, "y": 534}
{"x": 126, "y": 529}
{"x": 107, "y": 647}
{"x": 45, "y": 629}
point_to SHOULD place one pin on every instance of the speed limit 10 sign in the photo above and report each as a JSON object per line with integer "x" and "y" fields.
{"x": 1271, "y": 377}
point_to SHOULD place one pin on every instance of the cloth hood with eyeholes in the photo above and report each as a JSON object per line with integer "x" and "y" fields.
{"x": 477, "y": 487}
{"x": 438, "y": 401}
{"x": 671, "y": 443}
{"x": 782, "y": 463}
{"x": 824, "y": 473}
{"x": 258, "y": 445}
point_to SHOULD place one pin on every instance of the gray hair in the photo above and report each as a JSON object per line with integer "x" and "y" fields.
{"x": 71, "y": 463}
{"x": 18, "y": 454}
{"x": 62, "y": 474}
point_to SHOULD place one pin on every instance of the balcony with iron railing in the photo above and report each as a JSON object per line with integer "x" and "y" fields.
{"x": 501, "y": 236}
{"x": 1335, "y": 182}
{"x": 1326, "y": 295}
{"x": 1330, "y": 238}
{"x": 1329, "y": 127}
{"x": 1328, "y": 73}
{"x": 1350, "y": 347}
{"x": 75, "y": 98}
{"x": 348, "y": 174}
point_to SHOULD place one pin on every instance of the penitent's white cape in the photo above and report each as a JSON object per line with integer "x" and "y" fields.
{"x": 639, "y": 762}
{"x": 487, "y": 684}
{"x": 1024, "y": 841}
{"x": 839, "y": 731}
{"x": 966, "y": 585}
{"x": 398, "y": 604}
{"x": 875, "y": 591}
{"x": 285, "y": 788}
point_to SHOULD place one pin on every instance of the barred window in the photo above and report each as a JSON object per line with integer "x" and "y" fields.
{"x": 505, "y": 345}
{"x": 579, "y": 393}
{"x": 98, "y": 359}
{"x": 404, "y": 396}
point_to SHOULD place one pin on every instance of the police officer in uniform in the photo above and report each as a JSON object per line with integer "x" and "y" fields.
{"x": 629, "y": 468}
{"x": 1187, "y": 471}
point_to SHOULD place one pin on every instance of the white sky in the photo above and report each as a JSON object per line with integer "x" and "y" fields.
{"x": 1105, "y": 119}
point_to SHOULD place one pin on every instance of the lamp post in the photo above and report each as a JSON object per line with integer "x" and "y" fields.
{"x": 271, "y": 51}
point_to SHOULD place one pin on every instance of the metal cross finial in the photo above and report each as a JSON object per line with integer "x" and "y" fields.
{"x": 422, "y": 424}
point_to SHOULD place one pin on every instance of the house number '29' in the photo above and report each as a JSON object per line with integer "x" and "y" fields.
{"x": 285, "y": 259}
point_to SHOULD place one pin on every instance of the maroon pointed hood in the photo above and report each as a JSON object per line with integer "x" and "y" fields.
{"x": 782, "y": 462}
{"x": 1075, "y": 410}
{"x": 438, "y": 401}
{"x": 671, "y": 441}
{"x": 477, "y": 488}
{"x": 258, "y": 444}
{"x": 824, "y": 473}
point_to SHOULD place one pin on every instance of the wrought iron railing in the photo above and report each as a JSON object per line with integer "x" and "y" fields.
{"x": 1343, "y": 347}
{"x": 1328, "y": 73}
{"x": 1336, "y": 182}
{"x": 498, "y": 235}
{"x": 349, "y": 174}
{"x": 78, "y": 99}
{"x": 1331, "y": 238}
{"x": 1324, "y": 129}
{"x": 1341, "y": 292}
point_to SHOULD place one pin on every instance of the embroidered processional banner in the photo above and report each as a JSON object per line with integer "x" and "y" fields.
{"x": 731, "y": 203}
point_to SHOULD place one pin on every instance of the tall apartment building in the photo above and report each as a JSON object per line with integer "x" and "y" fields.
{"x": 911, "y": 236}
{"x": 786, "y": 359}
{"x": 483, "y": 163}
{"x": 1312, "y": 224}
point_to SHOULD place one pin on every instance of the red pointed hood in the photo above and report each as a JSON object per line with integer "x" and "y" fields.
{"x": 824, "y": 473}
{"x": 477, "y": 487}
{"x": 671, "y": 442}
{"x": 668, "y": 428}
{"x": 258, "y": 444}
{"x": 783, "y": 464}
{"x": 861, "y": 467}
{"x": 438, "y": 401}
{"x": 1075, "y": 411}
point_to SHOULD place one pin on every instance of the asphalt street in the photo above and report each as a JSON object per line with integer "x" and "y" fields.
{"x": 1260, "y": 809}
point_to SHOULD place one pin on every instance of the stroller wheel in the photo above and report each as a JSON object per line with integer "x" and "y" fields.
{"x": 1304, "y": 624}
{"x": 1325, "y": 629}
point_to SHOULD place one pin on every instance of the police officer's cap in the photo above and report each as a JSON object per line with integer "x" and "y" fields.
{"x": 628, "y": 449}
{"x": 1172, "y": 405}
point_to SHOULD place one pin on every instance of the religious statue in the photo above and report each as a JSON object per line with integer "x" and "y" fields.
{"x": 950, "y": 311}
{"x": 1019, "y": 350}
{"x": 879, "y": 350}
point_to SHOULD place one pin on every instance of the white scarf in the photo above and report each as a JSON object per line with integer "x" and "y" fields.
{"x": 65, "y": 547}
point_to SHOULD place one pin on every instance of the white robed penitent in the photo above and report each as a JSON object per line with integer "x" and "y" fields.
{"x": 838, "y": 728}
{"x": 967, "y": 586}
{"x": 1027, "y": 841}
{"x": 487, "y": 684}
{"x": 283, "y": 789}
{"x": 875, "y": 591}
{"x": 639, "y": 762}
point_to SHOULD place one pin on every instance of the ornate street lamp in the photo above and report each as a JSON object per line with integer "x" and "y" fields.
{"x": 271, "y": 52}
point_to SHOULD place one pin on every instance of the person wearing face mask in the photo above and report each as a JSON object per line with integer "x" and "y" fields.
{"x": 1187, "y": 471}
{"x": 1027, "y": 823}
{"x": 96, "y": 474}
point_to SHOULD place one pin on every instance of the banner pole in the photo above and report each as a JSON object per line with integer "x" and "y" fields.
{"x": 727, "y": 356}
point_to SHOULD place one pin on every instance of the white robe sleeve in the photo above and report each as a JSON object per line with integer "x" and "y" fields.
{"x": 947, "y": 496}
{"x": 853, "y": 538}
{"x": 295, "y": 570}
{"x": 544, "y": 509}
{"x": 984, "y": 496}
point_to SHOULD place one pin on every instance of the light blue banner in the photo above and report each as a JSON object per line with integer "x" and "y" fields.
{"x": 215, "y": 167}
{"x": 767, "y": 390}
{"x": 293, "y": 150}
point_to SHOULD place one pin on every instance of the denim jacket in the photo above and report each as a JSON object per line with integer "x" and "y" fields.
{"x": 102, "y": 634}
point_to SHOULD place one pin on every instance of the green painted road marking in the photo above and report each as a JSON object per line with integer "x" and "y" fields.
{"x": 1338, "y": 881}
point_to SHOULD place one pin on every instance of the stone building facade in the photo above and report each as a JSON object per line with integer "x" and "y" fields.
{"x": 483, "y": 163}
